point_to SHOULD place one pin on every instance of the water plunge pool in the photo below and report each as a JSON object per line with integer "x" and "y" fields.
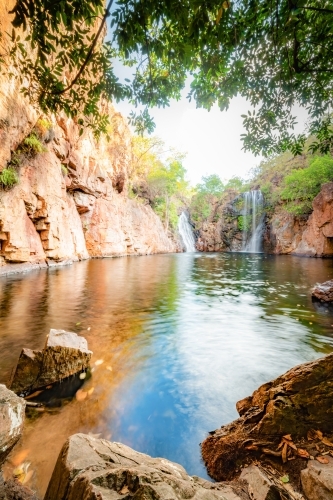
{"x": 177, "y": 340}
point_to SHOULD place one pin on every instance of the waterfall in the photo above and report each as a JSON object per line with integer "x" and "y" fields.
{"x": 186, "y": 233}
{"x": 253, "y": 207}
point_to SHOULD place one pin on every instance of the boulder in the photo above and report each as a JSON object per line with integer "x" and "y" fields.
{"x": 317, "y": 480}
{"x": 94, "y": 469}
{"x": 64, "y": 354}
{"x": 12, "y": 411}
{"x": 294, "y": 403}
{"x": 259, "y": 485}
{"x": 323, "y": 291}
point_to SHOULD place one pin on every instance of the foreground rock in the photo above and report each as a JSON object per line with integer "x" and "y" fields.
{"x": 94, "y": 469}
{"x": 14, "y": 490}
{"x": 12, "y": 411}
{"x": 64, "y": 354}
{"x": 323, "y": 291}
{"x": 296, "y": 402}
{"x": 317, "y": 480}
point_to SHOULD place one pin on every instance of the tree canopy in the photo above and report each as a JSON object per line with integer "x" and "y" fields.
{"x": 276, "y": 54}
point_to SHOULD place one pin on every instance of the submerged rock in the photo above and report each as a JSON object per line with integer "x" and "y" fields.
{"x": 294, "y": 403}
{"x": 64, "y": 354}
{"x": 323, "y": 291}
{"x": 12, "y": 411}
{"x": 94, "y": 469}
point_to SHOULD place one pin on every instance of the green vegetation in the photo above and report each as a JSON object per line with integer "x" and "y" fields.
{"x": 8, "y": 178}
{"x": 271, "y": 53}
{"x": 158, "y": 178}
{"x": 301, "y": 186}
{"x": 210, "y": 194}
{"x": 64, "y": 170}
{"x": 32, "y": 145}
{"x": 244, "y": 222}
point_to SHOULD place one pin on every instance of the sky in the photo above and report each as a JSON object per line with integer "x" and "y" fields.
{"x": 211, "y": 139}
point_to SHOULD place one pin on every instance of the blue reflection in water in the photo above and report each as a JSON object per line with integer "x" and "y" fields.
{"x": 180, "y": 339}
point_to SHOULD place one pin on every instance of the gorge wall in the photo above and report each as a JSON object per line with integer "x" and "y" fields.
{"x": 310, "y": 236}
{"x": 71, "y": 200}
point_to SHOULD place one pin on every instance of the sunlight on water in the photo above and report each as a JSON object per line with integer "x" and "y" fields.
{"x": 177, "y": 340}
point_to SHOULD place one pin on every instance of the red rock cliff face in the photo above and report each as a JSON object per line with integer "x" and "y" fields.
{"x": 313, "y": 236}
{"x": 57, "y": 215}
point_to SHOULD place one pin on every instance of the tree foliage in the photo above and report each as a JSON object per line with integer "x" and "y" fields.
{"x": 301, "y": 186}
{"x": 276, "y": 54}
{"x": 158, "y": 176}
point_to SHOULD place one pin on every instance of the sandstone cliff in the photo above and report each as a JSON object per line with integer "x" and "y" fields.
{"x": 71, "y": 200}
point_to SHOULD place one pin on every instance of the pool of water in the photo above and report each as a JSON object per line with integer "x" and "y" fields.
{"x": 177, "y": 340}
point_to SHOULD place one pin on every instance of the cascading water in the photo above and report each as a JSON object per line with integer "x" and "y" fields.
{"x": 186, "y": 233}
{"x": 253, "y": 208}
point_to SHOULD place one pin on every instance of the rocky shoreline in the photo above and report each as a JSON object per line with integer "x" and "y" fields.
{"x": 281, "y": 446}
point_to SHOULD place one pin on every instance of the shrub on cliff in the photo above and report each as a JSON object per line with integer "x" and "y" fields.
{"x": 301, "y": 186}
{"x": 8, "y": 178}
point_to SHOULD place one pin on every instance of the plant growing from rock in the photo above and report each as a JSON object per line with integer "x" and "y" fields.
{"x": 32, "y": 145}
{"x": 8, "y": 178}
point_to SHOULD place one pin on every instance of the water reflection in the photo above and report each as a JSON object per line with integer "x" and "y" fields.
{"x": 178, "y": 339}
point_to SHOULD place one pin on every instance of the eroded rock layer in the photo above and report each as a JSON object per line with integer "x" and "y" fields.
{"x": 71, "y": 201}
{"x": 292, "y": 404}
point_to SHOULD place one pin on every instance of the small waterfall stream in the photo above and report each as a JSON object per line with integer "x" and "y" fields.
{"x": 253, "y": 216}
{"x": 186, "y": 233}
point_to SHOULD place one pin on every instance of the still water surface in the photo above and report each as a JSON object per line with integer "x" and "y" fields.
{"x": 178, "y": 339}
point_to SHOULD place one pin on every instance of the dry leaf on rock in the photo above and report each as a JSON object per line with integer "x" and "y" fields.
{"x": 124, "y": 490}
{"x": 26, "y": 478}
{"x": 322, "y": 460}
{"x": 327, "y": 442}
{"x": 303, "y": 453}
{"x": 81, "y": 395}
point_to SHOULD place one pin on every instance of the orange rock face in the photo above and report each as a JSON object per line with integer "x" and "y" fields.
{"x": 311, "y": 237}
{"x": 71, "y": 201}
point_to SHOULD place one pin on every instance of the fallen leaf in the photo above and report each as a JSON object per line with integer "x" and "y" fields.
{"x": 251, "y": 447}
{"x": 319, "y": 435}
{"x": 285, "y": 479}
{"x": 99, "y": 362}
{"x": 327, "y": 442}
{"x": 124, "y": 490}
{"x": 311, "y": 435}
{"x": 284, "y": 453}
{"x": 21, "y": 470}
{"x": 27, "y": 477}
{"x": 288, "y": 437}
{"x": 33, "y": 395}
{"x": 322, "y": 460}
{"x": 81, "y": 395}
{"x": 303, "y": 453}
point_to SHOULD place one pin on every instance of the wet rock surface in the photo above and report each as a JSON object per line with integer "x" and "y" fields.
{"x": 93, "y": 468}
{"x": 64, "y": 354}
{"x": 292, "y": 404}
{"x": 323, "y": 291}
{"x": 317, "y": 480}
{"x": 11, "y": 420}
